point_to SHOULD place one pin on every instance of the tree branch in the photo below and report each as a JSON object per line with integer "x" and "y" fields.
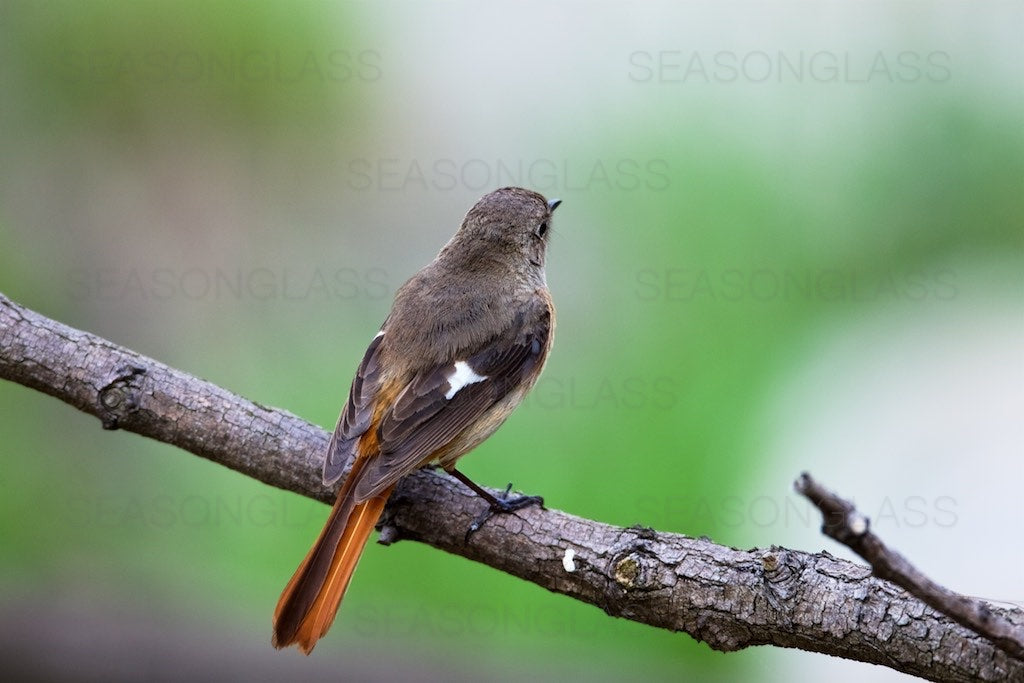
{"x": 728, "y": 598}
{"x": 842, "y": 522}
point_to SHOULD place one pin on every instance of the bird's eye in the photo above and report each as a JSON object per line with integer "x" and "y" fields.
{"x": 542, "y": 229}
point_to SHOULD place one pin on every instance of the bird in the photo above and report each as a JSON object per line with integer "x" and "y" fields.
{"x": 465, "y": 341}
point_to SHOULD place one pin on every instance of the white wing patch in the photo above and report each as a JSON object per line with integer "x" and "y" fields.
{"x": 460, "y": 377}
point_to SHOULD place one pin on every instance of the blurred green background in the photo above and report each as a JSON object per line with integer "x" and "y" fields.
{"x": 791, "y": 238}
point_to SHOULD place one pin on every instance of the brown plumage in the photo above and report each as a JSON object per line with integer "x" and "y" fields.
{"x": 466, "y": 339}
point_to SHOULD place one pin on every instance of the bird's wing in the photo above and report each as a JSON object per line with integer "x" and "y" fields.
{"x": 440, "y": 402}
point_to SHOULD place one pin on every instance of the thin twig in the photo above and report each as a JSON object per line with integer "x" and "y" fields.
{"x": 842, "y": 522}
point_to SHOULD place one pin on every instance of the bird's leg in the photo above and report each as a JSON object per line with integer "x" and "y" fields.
{"x": 502, "y": 505}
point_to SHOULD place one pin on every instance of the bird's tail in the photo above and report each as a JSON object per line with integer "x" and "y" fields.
{"x": 309, "y": 602}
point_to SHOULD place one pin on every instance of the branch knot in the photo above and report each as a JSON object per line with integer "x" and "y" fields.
{"x": 119, "y": 396}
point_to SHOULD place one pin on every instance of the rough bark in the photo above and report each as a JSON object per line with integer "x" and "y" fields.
{"x": 728, "y": 598}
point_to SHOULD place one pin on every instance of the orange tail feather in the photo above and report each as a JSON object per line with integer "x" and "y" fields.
{"x": 309, "y": 602}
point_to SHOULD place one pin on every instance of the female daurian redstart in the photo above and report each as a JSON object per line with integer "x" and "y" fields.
{"x": 466, "y": 339}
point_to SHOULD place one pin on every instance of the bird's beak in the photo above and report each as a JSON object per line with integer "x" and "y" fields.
{"x": 553, "y": 204}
